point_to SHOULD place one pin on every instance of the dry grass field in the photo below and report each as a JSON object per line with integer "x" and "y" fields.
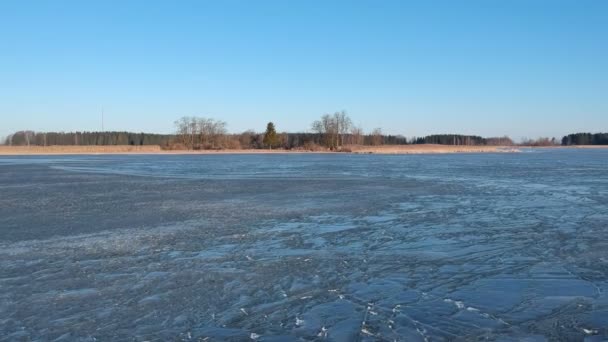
{"x": 429, "y": 148}
{"x": 127, "y": 149}
{"x": 17, "y": 150}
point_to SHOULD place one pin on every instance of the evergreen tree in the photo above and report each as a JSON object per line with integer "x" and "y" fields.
{"x": 270, "y": 137}
{"x": 585, "y": 139}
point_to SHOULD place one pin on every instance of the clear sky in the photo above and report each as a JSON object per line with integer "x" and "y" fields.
{"x": 525, "y": 68}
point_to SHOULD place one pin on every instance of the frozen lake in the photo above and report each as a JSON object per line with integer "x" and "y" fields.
{"x": 282, "y": 247}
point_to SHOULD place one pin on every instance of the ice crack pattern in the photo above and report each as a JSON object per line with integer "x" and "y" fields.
{"x": 305, "y": 247}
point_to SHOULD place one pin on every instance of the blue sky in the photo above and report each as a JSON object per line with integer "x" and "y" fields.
{"x": 522, "y": 68}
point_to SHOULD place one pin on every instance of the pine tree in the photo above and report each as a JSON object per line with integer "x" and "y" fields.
{"x": 270, "y": 137}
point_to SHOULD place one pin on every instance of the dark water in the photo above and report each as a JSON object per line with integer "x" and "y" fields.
{"x": 305, "y": 247}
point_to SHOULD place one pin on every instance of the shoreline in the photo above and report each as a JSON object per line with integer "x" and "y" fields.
{"x": 383, "y": 149}
{"x": 153, "y": 149}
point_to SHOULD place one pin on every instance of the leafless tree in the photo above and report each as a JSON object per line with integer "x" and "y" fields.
{"x": 247, "y": 138}
{"x": 192, "y": 130}
{"x": 499, "y": 141}
{"x": 195, "y": 132}
{"x": 376, "y": 136}
{"x": 326, "y": 128}
{"x": 183, "y": 130}
{"x": 333, "y": 128}
{"x": 357, "y": 137}
{"x": 542, "y": 141}
{"x": 29, "y": 137}
{"x": 343, "y": 124}
{"x": 218, "y": 134}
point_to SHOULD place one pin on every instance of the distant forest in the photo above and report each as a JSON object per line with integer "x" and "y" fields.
{"x": 245, "y": 140}
{"x": 24, "y": 138}
{"x": 332, "y": 131}
{"x": 585, "y": 139}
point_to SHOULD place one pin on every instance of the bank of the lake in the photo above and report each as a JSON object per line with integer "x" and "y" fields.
{"x": 154, "y": 149}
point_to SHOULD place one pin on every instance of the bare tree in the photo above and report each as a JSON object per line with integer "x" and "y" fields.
{"x": 211, "y": 133}
{"x": 326, "y": 128}
{"x": 542, "y": 141}
{"x": 376, "y": 136}
{"x": 247, "y": 139}
{"x": 499, "y": 141}
{"x": 333, "y": 128}
{"x": 343, "y": 124}
{"x": 357, "y": 135}
{"x": 29, "y": 137}
{"x": 203, "y": 130}
{"x": 194, "y": 132}
{"x": 183, "y": 131}
{"x": 218, "y": 134}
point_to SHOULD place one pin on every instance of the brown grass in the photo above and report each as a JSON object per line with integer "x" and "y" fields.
{"x": 120, "y": 149}
{"x": 384, "y": 149}
{"x": 589, "y": 146}
{"x": 428, "y": 148}
{"x": 16, "y": 150}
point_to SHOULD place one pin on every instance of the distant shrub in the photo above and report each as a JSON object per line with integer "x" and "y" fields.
{"x": 174, "y": 146}
{"x": 311, "y": 146}
{"x": 232, "y": 144}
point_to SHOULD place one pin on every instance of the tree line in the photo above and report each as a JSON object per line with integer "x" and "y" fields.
{"x": 585, "y": 139}
{"x": 332, "y": 131}
{"x": 27, "y": 138}
{"x": 451, "y": 139}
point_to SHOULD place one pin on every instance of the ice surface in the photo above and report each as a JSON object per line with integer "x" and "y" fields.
{"x": 279, "y": 247}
